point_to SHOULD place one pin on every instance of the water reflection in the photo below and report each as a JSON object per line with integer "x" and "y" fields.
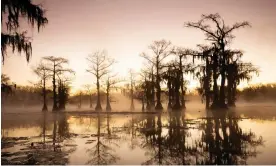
{"x": 102, "y": 152}
{"x": 170, "y": 147}
{"x": 172, "y": 138}
{"x": 44, "y": 128}
{"x": 224, "y": 141}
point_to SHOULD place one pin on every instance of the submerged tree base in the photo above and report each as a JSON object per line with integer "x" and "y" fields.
{"x": 44, "y": 108}
{"x": 98, "y": 107}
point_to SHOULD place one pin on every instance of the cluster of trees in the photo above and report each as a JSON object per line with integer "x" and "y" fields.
{"x": 53, "y": 68}
{"x": 221, "y": 62}
{"x": 22, "y": 95}
{"x": 220, "y": 71}
{"x": 49, "y": 68}
{"x": 218, "y": 68}
{"x": 166, "y": 64}
{"x": 100, "y": 65}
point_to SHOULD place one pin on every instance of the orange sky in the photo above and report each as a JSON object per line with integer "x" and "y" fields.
{"x": 126, "y": 27}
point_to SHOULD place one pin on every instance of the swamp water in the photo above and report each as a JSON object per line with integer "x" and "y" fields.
{"x": 188, "y": 137}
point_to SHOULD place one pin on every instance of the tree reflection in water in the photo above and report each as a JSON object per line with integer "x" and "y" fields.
{"x": 217, "y": 139}
{"x": 221, "y": 140}
{"x": 102, "y": 152}
{"x": 43, "y": 134}
{"x": 170, "y": 147}
{"x": 60, "y": 129}
{"x": 224, "y": 142}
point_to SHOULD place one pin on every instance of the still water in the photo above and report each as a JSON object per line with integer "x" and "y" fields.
{"x": 221, "y": 137}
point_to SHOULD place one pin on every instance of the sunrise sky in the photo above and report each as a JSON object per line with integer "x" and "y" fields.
{"x": 125, "y": 28}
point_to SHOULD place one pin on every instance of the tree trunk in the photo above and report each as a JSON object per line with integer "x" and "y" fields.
{"x": 183, "y": 97}
{"x": 158, "y": 91}
{"x": 44, "y": 96}
{"x": 231, "y": 95}
{"x": 108, "y": 106}
{"x": 158, "y": 98}
{"x": 183, "y": 105}
{"x": 215, "y": 86}
{"x": 152, "y": 91}
{"x": 177, "y": 105}
{"x": 98, "y": 106}
{"x": 177, "y": 82}
{"x": 55, "y": 107}
{"x": 169, "y": 85}
{"x": 222, "y": 89}
{"x": 229, "y": 92}
{"x": 234, "y": 94}
{"x": 223, "y": 78}
{"x": 207, "y": 81}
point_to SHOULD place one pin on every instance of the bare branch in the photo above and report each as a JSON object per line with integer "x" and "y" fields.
{"x": 237, "y": 26}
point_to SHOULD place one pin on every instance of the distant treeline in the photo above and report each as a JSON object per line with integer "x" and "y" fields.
{"x": 265, "y": 92}
{"x": 26, "y": 95}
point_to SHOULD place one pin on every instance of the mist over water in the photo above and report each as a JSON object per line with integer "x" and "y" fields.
{"x": 151, "y": 138}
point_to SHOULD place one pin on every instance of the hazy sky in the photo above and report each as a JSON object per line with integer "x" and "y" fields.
{"x": 125, "y": 28}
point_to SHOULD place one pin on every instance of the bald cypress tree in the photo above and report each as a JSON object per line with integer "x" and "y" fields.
{"x": 220, "y": 35}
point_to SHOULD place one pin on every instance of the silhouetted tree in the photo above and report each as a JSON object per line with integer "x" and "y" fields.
{"x": 11, "y": 13}
{"x": 237, "y": 71}
{"x": 99, "y": 65}
{"x": 55, "y": 65}
{"x": 161, "y": 50}
{"x": 5, "y": 87}
{"x": 220, "y": 36}
{"x": 43, "y": 73}
{"x": 63, "y": 92}
{"x": 185, "y": 67}
{"x": 143, "y": 89}
{"x": 168, "y": 76}
{"x": 110, "y": 84}
{"x": 204, "y": 73}
{"x": 174, "y": 78}
{"x": 149, "y": 86}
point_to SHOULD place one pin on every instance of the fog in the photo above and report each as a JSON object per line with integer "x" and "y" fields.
{"x": 122, "y": 103}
